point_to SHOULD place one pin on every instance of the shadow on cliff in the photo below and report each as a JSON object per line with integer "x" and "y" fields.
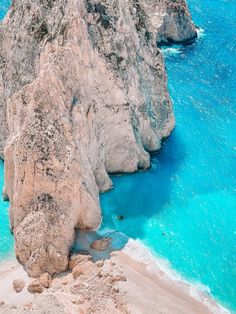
{"x": 140, "y": 196}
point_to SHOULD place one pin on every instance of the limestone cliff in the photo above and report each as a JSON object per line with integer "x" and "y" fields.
{"x": 82, "y": 94}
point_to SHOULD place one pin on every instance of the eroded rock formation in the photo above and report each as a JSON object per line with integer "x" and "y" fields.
{"x": 82, "y": 94}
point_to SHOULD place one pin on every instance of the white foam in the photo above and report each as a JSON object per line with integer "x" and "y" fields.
{"x": 171, "y": 51}
{"x": 201, "y": 32}
{"x": 160, "y": 266}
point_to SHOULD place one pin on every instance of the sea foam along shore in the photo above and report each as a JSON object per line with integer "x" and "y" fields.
{"x": 162, "y": 269}
{"x": 150, "y": 285}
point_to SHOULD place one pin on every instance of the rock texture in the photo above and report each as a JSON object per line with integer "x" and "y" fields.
{"x": 35, "y": 287}
{"x": 170, "y": 20}
{"x": 18, "y": 285}
{"x": 82, "y": 94}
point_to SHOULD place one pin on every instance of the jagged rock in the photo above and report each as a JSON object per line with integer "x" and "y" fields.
{"x": 35, "y": 287}
{"x": 79, "y": 258}
{"x": 101, "y": 245}
{"x": 18, "y": 285}
{"x": 171, "y": 22}
{"x": 4, "y": 195}
{"x": 45, "y": 280}
{"x": 83, "y": 93}
{"x": 99, "y": 263}
{"x": 77, "y": 271}
{"x": 113, "y": 279}
{"x": 116, "y": 289}
{"x": 82, "y": 268}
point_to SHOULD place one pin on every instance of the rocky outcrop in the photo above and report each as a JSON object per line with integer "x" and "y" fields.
{"x": 83, "y": 88}
{"x": 170, "y": 21}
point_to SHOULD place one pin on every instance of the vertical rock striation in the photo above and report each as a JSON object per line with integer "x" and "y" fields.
{"x": 82, "y": 94}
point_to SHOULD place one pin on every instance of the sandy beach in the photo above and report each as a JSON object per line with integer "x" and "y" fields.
{"x": 146, "y": 289}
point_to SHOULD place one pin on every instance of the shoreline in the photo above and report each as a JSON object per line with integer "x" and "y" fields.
{"x": 161, "y": 268}
{"x": 153, "y": 284}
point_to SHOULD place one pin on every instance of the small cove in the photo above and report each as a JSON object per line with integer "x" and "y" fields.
{"x": 183, "y": 208}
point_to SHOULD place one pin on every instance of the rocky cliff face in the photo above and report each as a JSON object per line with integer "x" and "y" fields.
{"x": 82, "y": 94}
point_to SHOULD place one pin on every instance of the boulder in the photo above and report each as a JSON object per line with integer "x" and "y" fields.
{"x": 82, "y": 268}
{"x": 45, "y": 280}
{"x": 99, "y": 263}
{"x": 101, "y": 245}
{"x": 35, "y": 287}
{"x": 18, "y": 285}
{"x": 77, "y": 271}
{"x": 78, "y": 259}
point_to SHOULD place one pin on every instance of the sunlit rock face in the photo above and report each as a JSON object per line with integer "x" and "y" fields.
{"x": 82, "y": 94}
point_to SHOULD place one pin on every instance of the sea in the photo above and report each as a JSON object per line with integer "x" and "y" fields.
{"x": 184, "y": 207}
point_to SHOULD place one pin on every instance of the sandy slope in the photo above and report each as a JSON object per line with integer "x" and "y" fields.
{"x": 145, "y": 291}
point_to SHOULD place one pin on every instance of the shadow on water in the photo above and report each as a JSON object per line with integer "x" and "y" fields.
{"x": 84, "y": 239}
{"x": 137, "y": 197}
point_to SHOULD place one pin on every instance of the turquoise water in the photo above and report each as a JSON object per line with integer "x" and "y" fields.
{"x": 6, "y": 238}
{"x": 4, "y": 5}
{"x": 184, "y": 207}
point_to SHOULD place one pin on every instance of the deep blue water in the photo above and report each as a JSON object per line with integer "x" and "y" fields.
{"x": 183, "y": 208}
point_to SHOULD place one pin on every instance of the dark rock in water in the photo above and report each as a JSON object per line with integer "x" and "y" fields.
{"x": 120, "y": 217}
{"x": 5, "y": 196}
{"x": 101, "y": 245}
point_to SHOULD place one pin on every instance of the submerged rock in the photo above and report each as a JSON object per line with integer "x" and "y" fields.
{"x": 101, "y": 245}
{"x": 83, "y": 93}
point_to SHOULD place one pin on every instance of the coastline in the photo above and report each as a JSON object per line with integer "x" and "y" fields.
{"x": 161, "y": 268}
{"x": 149, "y": 286}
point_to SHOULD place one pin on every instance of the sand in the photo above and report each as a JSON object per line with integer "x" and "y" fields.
{"x": 147, "y": 290}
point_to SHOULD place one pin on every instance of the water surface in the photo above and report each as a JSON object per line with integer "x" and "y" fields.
{"x": 184, "y": 208}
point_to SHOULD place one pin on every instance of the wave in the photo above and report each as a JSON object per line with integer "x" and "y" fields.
{"x": 200, "y": 32}
{"x": 171, "y": 51}
{"x": 161, "y": 267}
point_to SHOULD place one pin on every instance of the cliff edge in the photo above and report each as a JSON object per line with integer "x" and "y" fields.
{"x": 82, "y": 94}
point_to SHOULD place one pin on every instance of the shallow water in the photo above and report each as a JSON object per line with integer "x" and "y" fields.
{"x": 184, "y": 207}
